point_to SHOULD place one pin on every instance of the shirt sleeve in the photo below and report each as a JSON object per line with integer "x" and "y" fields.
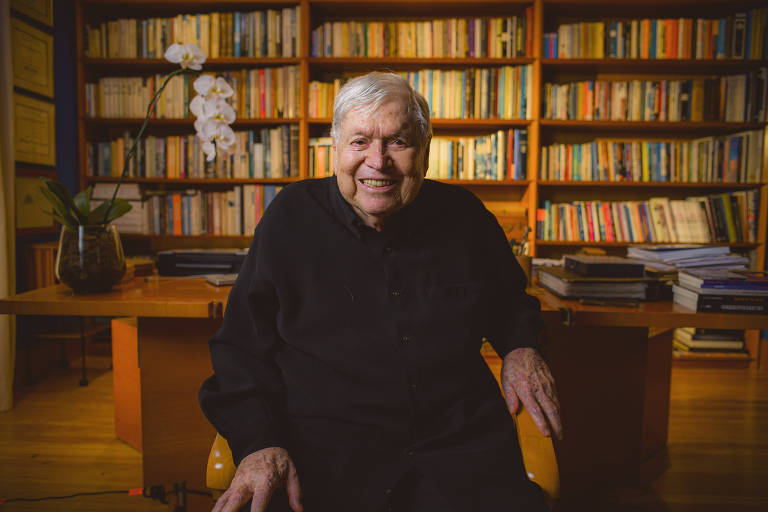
{"x": 515, "y": 316}
{"x": 243, "y": 398}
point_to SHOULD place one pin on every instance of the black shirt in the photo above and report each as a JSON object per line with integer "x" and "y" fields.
{"x": 359, "y": 351}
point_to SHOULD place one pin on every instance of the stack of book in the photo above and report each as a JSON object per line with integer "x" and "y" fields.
{"x": 682, "y": 256}
{"x": 707, "y": 341}
{"x": 591, "y": 276}
{"x": 722, "y": 291}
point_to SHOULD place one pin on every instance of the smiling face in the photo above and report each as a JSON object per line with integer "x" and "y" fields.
{"x": 378, "y": 161}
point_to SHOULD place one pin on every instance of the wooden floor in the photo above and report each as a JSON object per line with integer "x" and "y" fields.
{"x": 59, "y": 440}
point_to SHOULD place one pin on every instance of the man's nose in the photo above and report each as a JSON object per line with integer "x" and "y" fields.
{"x": 375, "y": 156}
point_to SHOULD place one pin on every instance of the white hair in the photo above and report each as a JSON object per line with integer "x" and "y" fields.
{"x": 371, "y": 91}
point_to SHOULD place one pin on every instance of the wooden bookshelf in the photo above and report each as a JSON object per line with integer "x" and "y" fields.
{"x": 546, "y": 16}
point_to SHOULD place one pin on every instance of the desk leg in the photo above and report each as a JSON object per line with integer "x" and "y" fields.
{"x": 176, "y": 437}
{"x": 614, "y": 391}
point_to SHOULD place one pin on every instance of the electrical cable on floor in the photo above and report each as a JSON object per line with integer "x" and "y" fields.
{"x": 155, "y": 492}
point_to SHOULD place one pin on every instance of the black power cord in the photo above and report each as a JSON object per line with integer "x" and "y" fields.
{"x": 155, "y": 492}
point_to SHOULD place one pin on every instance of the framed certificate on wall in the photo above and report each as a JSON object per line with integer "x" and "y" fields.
{"x": 39, "y": 10}
{"x": 32, "y": 52}
{"x": 31, "y": 204}
{"x": 34, "y": 137}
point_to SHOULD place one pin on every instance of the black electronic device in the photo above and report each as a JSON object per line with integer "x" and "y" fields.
{"x": 191, "y": 262}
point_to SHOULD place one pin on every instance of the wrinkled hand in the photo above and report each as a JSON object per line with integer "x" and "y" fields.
{"x": 258, "y": 476}
{"x": 526, "y": 377}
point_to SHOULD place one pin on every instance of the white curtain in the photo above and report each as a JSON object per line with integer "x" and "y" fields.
{"x": 7, "y": 226}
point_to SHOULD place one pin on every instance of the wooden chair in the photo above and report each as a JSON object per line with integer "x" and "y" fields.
{"x": 538, "y": 457}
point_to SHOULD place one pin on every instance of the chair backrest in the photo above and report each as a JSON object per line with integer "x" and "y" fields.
{"x": 538, "y": 457}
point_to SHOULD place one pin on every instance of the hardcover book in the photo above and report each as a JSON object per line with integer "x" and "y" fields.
{"x": 603, "y": 266}
{"x": 565, "y": 283}
{"x": 720, "y": 303}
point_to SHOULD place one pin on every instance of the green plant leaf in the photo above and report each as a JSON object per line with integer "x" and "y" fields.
{"x": 65, "y": 198}
{"x": 59, "y": 208}
{"x": 120, "y": 208}
{"x": 83, "y": 201}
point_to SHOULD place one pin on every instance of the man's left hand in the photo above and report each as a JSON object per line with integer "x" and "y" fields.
{"x": 526, "y": 377}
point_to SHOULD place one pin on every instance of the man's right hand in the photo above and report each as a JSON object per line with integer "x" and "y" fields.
{"x": 258, "y": 476}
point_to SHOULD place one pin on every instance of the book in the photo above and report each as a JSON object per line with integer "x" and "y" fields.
{"x": 681, "y": 345}
{"x": 719, "y": 303}
{"x": 603, "y": 266}
{"x": 565, "y": 283}
{"x": 719, "y": 280}
{"x": 672, "y": 253}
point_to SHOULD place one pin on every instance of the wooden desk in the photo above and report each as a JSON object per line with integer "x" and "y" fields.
{"x": 612, "y": 379}
{"x": 176, "y": 316}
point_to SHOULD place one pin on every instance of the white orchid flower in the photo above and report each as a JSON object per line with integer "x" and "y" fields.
{"x": 210, "y": 87}
{"x": 199, "y": 127}
{"x": 196, "y": 106}
{"x": 218, "y": 110}
{"x": 216, "y": 137}
{"x": 188, "y": 56}
{"x": 209, "y": 148}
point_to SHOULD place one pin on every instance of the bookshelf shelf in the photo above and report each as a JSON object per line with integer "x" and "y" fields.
{"x": 552, "y": 184}
{"x": 193, "y": 181}
{"x": 468, "y": 124}
{"x": 669, "y": 126}
{"x": 579, "y": 243}
{"x": 635, "y": 66}
{"x": 182, "y": 123}
{"x": 402, "y": 62}
{"x": 144, "y": 65}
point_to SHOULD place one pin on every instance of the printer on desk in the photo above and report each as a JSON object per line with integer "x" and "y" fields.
{"x": 191, "y": 262}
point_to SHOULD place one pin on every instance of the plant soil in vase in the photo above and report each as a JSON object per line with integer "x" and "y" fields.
{"x": 90, "y": 259}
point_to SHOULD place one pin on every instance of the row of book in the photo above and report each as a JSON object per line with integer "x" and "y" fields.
{"x": 200, "y": 212}
{"x": 722, "y": 291}
{"x": 698, "y": 340}
{"x": 496, "y": 156}
{"x": 259, "y": 93}
{"x": 670, "y": 259}
{"x": 736, "y": 98}
{"x": 120, "y": 97}
{"x": 725, "y": 217}
{"x": 265, "y": 153}
{"x": 743, "y": 35}
{"x": 268, "y": 33}
{"x": 733, "y": 158}
{"x": 476, "y": 93}
{"x": 506, "y": 37}
{"x": 321, "y": 96}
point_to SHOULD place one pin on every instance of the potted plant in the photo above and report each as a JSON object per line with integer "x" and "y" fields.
{"x": 90, "y": 257}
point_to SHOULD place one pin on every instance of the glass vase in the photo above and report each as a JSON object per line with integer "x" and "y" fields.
{"x": 90, "y": 259}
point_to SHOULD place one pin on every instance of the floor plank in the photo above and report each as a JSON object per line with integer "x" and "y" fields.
{"x": 59, "y": 439}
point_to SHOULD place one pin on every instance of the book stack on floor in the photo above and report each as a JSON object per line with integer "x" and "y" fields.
{"x": 683, "y": 256}
{"x": 596, "y": 276}
{"x": 709, "y": 341}
{"x": 722, "y": 291}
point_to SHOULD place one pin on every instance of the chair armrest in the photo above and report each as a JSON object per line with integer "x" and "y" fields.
{"x": 221, "y": 468}
{"x": 538, "y": 454}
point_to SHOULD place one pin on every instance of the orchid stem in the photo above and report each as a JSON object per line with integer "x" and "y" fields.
{"x": 150, "y": 108}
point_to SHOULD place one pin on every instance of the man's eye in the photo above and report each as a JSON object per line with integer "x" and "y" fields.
{"x": 398, "y": 142}
{"x": 358, "y": 142}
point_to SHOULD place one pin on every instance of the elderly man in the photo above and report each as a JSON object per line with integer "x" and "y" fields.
{"x": 348, "y": 373}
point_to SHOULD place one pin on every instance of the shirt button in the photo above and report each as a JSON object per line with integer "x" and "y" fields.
{"x": 405, "y": 339}
{"x": 395, "y": 293}
{"x": 387, "y": 249}
{"x": 409, "y": 453}
{"x": 413, "y": 386}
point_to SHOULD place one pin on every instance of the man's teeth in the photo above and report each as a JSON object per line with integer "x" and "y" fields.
{"x": 378, "y": 183}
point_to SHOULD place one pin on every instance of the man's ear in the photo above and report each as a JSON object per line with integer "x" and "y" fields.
{"x": 334, "y": 157}
{"x": 426, "y": 155}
